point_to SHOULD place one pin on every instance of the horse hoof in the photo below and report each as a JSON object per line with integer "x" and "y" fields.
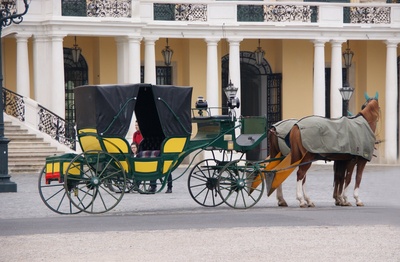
{"x": 303, "y": 205}
{"x": 282, "y": 204}
{"x": 311, "y": 205}
{"x": 346, "y": 204}
{"x": 360, "y": 204}
{"x": 337, "y": 203}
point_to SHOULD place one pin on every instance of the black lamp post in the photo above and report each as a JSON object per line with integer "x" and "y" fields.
{"x": 8, "y": 15}
{"x": 346, "y": 91}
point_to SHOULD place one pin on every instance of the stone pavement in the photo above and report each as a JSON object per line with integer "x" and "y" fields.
{"x": 380, "y": 187}
{"x": 378, "y": 180}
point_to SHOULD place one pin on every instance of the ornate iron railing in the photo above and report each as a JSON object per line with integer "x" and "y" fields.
{"x": 180, "y": 12}
{"x": 49, "y": 123}
{"x": 14, "y": 104}
{"x": 370, "y": 15}
{"x": 96, "y": 8}
{"x": 56, "y": 127}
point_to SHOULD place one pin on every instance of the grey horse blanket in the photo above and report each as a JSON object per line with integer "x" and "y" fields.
{"x": 282, "y": 130}
{"x": 346, "y": 135}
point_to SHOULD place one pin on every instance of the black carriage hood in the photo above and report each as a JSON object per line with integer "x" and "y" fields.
{"x": 164, "y": 110}
{"x": 107, "y": 108}
{"x": 160, "y": 110}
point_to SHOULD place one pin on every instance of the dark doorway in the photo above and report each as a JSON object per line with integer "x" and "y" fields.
{"x": 260, "y": 94}
{"x": 75, "y": 74}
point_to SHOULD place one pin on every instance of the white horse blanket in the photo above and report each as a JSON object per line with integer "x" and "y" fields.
{"x": 346, "y": 135}
{"x": 282, "y": 130}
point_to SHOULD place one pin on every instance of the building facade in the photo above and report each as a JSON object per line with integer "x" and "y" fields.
{"x": 214, "y": 42}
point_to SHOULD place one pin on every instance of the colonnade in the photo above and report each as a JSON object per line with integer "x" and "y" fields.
{"x": 48, "y": 74}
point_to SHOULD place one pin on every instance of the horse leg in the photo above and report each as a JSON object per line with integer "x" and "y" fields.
{"x": 301, "y": 176}
{"x": 347, "y": 180}
{"x": 339, "y": 170}
{"x": 279, "y": 197}
{"x": 360, "y": 169}
{"x": 306, "y": 197}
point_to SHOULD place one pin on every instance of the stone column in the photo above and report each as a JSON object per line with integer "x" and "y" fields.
{"x": 122, "y": 64}
{"x": 57, "y": 89}
{"x": 391, "y": 113}
{"x": 234, "y": 66}
{"x": 319, "y": 77}
{"x": 134, "y": 59}
{"x": 336, "y": 79}
{"x": 23, "y": 87}
{"x": 41, "y": 71}
{"x": 150, "y": 61}
{"x": 213, "y": 91}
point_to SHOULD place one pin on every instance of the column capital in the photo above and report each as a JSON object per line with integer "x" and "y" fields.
{"x": 337, "y": 42}
{"x": 210, "y": 40}
{"x": 234, "y": 40}
{"x": 392, "y": 42}
{"x": 22, "y": 36}
{"x": 149, "y": 39}
{"x": 319, "y": 42}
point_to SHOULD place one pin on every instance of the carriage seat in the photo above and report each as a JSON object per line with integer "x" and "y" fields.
{"x": 150, "y": 147}
{"x": 148, "y": 153}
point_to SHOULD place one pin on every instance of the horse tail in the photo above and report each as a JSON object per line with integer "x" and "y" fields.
{"x": 273, "y": 142}
{"x": 296, "y": 147}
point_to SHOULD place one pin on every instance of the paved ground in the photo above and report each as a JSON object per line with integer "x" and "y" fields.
{"x": 315, "y": 243}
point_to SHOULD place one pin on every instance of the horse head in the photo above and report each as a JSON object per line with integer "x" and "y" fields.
{"x": 370, "y": 110}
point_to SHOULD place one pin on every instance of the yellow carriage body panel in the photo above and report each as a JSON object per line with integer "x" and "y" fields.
{"x": 167, "y": 165}
{"x": 174, "y": 145}
{"x": 145, "y": 166}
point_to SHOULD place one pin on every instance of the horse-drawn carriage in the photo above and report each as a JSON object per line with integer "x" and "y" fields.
{"x": 95, "y": 180}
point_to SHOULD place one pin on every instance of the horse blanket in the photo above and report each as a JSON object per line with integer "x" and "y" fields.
{"x": 282, "y": 129}
{"x": 345, "y": 135}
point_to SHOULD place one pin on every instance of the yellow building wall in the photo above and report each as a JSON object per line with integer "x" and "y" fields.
{"x": 9, "y": 63}
{"x": 297, "y": 78}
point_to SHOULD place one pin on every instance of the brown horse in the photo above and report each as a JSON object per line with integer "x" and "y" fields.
{"x": 298, "y": 151}
{"x": 277, "y": 134}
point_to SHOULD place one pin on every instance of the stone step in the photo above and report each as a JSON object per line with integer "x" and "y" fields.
{"x": 25, "y": 139}
{"x": 26, "y": 152}
{"x": 30, "y": 144}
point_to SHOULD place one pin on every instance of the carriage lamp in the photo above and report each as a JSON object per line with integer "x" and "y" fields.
{"x": 230, "y": 92}
{"x": 346, "y": 91}
{"x": 167, "y": 54}
{"x": 9, "y": 15}
{"x": 201, "y": 105}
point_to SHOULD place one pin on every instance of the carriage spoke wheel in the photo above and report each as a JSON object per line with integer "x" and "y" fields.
{"x": 203, "y": 183}
{"x": 241, "y": 184}
{"x": 54, "y": 195}
{"x": 95, "y": 181}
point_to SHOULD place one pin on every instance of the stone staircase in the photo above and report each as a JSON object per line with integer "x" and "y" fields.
{"x": 26, "y": 152}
